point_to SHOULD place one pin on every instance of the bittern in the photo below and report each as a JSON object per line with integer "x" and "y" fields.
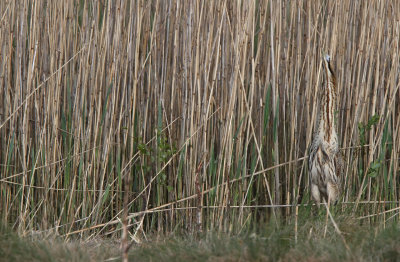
{"x": 325, "y": 163}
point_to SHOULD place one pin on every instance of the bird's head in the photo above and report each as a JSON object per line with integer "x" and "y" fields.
{"x": 328, "y": 68}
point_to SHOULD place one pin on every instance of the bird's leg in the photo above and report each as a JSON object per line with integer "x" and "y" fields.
{"x": 315, "y": 194}
{"x": 333, "y": 193}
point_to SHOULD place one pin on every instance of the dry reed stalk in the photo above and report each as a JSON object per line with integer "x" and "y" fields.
{"x": 85, "y": 85}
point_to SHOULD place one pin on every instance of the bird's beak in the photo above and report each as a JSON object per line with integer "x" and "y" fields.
{"x": 327, "y": 58}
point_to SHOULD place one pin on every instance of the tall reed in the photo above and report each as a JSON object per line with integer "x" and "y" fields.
{"x": 95, "y": 91}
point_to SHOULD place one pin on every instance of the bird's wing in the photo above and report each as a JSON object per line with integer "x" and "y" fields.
{"x": 339, "y": 164}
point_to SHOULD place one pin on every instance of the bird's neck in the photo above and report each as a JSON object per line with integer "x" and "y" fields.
{"x": 327, "y": 126}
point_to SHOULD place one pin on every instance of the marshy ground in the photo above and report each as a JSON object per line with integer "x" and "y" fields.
{"x": 358, "y": 241}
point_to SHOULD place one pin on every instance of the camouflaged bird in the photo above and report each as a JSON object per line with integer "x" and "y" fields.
{"x": 325, "y": 163}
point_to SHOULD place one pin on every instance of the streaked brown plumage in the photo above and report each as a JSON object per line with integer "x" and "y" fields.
{"x": 325, "y": 163}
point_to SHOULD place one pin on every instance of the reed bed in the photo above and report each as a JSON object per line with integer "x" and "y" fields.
{"x": 205, "y": 109}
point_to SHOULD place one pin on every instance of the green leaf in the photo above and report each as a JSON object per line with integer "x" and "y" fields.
{"x": 170, "y": 188}
{"x": 375, "y": 166}
{"x": 267, "y": 108}
{"x": 276, "y": 122}
{"x": 373, "y": 169}
{"x": 106, "y": 193}
{"x": 372, "y": 121}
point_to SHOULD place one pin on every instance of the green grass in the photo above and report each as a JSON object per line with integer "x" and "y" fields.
{"x": 268, "y": 242}
{"x": 33, "y": 248}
